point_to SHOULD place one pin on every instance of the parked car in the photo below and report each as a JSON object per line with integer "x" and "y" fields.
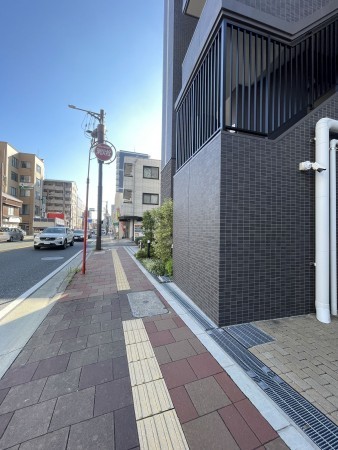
{"x": 79, "y": 235}
{"x": 10, "y": 234}
{"x": 22, "y": 231}
{"x": 51, "y": 237}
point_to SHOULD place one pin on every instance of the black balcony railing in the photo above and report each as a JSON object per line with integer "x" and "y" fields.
{"x": 253, "y": 83}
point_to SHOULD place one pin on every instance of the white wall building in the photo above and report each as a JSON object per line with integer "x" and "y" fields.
{"x": 141, "y": 192}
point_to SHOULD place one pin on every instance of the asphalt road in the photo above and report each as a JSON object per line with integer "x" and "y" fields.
{"x": 21, "y": 267}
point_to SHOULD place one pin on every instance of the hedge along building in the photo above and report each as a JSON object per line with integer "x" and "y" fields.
{"x": 244, "y": 88}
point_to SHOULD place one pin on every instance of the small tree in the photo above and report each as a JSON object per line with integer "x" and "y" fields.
{"x": 163, "y": 232}
{"x": 148, "y": 226}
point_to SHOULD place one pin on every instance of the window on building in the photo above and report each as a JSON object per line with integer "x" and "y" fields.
{"x": 38, "y": 182}
{"x": 127, "y": 195}
{"x": 25, "y": 210}
{"x": 128, "y": 170}
{"x": 37, "y": 195}
{"x": 25, "y": 178}
{"x": 10, "y": 211}
{"x": 38, "y": 168}
{"x": 150, "y": 199}
{"x": 151, "y": 172}
{"x": 14, "y": 176}
{"x": 25, "y": 165}
{"x": 15, "y": 162}
{"x": 37, "y": 210}
{"x": 25, "y": 193}
{"x": 13, "y": 191}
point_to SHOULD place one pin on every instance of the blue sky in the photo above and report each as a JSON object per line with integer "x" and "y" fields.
{"x": 102, "y": 54}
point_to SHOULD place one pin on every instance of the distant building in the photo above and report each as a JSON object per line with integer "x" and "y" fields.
{"x": 21, "y": 187}
{"x": 137, "y": 190}
{"x": 60, "y": 196}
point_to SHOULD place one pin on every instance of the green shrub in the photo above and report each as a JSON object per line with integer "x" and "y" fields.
{"x": 142, "y": 253}
{"x": 157, "y": 267}
{"x": 169, "y": 267}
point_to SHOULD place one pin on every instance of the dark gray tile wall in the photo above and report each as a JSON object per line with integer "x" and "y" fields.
{"x": 244, "y": 236}
{"x": 196, "y": 228}
{"x": 167, "y": 180}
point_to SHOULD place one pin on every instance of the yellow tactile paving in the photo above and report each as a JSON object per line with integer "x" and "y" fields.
{"x": 151, "y": 398}
{"x": 144, "y": 371}
{"x": 162, "y": 432}
{"x": 137, "y": 352}
{"x": 121, "y": 278}
{"x": 135, "y": 336}
{"x": 157, "y": 422}
{"x": 136, "y": 324}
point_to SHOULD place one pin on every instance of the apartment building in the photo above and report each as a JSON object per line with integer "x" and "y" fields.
{"x": 138, "y": 187}
{"x": 22, "y": 176}
{"x": 245, "y": 84}
{"x": 61, "y": 197}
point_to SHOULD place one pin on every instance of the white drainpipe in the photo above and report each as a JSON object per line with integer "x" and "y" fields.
{"x": 323, "y": 128}
{"x": 333, "y": 225}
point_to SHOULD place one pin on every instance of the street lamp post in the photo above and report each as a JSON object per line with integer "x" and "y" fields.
{"x": 100, "y": 139}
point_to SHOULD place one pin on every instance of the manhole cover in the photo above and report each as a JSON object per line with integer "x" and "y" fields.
{"x": 52, "y": 258}
{"x": 146, "y": 303}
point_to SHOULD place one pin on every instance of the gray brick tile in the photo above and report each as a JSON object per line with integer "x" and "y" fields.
{"x": 22, "y": 358}
{"x": 112, "y": 396}
{"x": 22, "y": 395}
{"x": 103, "y": 317}
{"x": 57, "y": 440}
{"x": 85, "y": 330}
{"x": 45, "y": 351}
{"x": 51, "y": 366}
{"x": 92, "y": 311}
{"x": 111, "y": 324}
{"x": 37, "y": 341}
{"x": 99, "y": 338}
{"x": 120, "y": 367}
{"x": 96, "y": 373}
{"x": 61, "y": 384}
{"x": 72, "y": 345}
{"x": 126, "y": 436}
{"x": 207, "y": 395}
{"x": 84, "y": 320}
{"x": 4, "y": 421}
{"x": 63, "y": 335}
{"x": 18, "y": 375}
{"x": 3, "y": 394}
{"x": 28, "y": 423}
{"x": 83, "y": 357}
{"x": 63, "y": 325}
{"x": 95, "y": 433}
{"x": 73, "y": 408}
{"x": 112, "y": 350}
{"x": 117, "y": 335}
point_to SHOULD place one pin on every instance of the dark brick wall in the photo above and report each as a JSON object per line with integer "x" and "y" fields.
{"x": 196, "y": 228}
{"x": 288, "y": 10}
{"x": 244, "y": 236}
{"x": 167, "y": 180}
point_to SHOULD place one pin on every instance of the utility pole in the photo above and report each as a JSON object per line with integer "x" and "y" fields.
{"x": 100, "y": 140}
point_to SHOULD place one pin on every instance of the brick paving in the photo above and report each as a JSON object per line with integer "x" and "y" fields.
{"x": 305, "y": 355}
{"x": 70, "y": 387}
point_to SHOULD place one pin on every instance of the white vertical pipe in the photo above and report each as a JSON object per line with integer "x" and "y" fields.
{"x": 333, "y": 235}
{"x": 322, "y": 193}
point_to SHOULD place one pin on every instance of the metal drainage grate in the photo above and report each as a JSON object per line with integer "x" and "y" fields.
{"x": 248, "y": 335}
{"x": 321, "y": 430}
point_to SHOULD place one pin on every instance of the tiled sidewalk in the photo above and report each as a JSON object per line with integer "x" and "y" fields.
{"x": 70, "y": 386}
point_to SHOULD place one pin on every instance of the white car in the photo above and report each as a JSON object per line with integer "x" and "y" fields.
{"x": 54, "y": 237}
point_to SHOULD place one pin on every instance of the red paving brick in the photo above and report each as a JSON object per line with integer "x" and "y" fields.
{"x": 204, "y": 365}
{"x": 256, "y": 421}
{"x": 183, "y": 404}
{"x": 161, "y": 338}
{"x": 229, "y": 387}
{"x": 177, "y": 373}
{"x": 240, "y": 430}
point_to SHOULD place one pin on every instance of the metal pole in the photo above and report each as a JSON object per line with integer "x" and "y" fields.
{"x": 86, "y": 220}
{"x": 100, "y": 140}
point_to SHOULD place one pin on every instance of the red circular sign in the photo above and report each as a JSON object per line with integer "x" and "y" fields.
{"x": 103, "y": 152}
